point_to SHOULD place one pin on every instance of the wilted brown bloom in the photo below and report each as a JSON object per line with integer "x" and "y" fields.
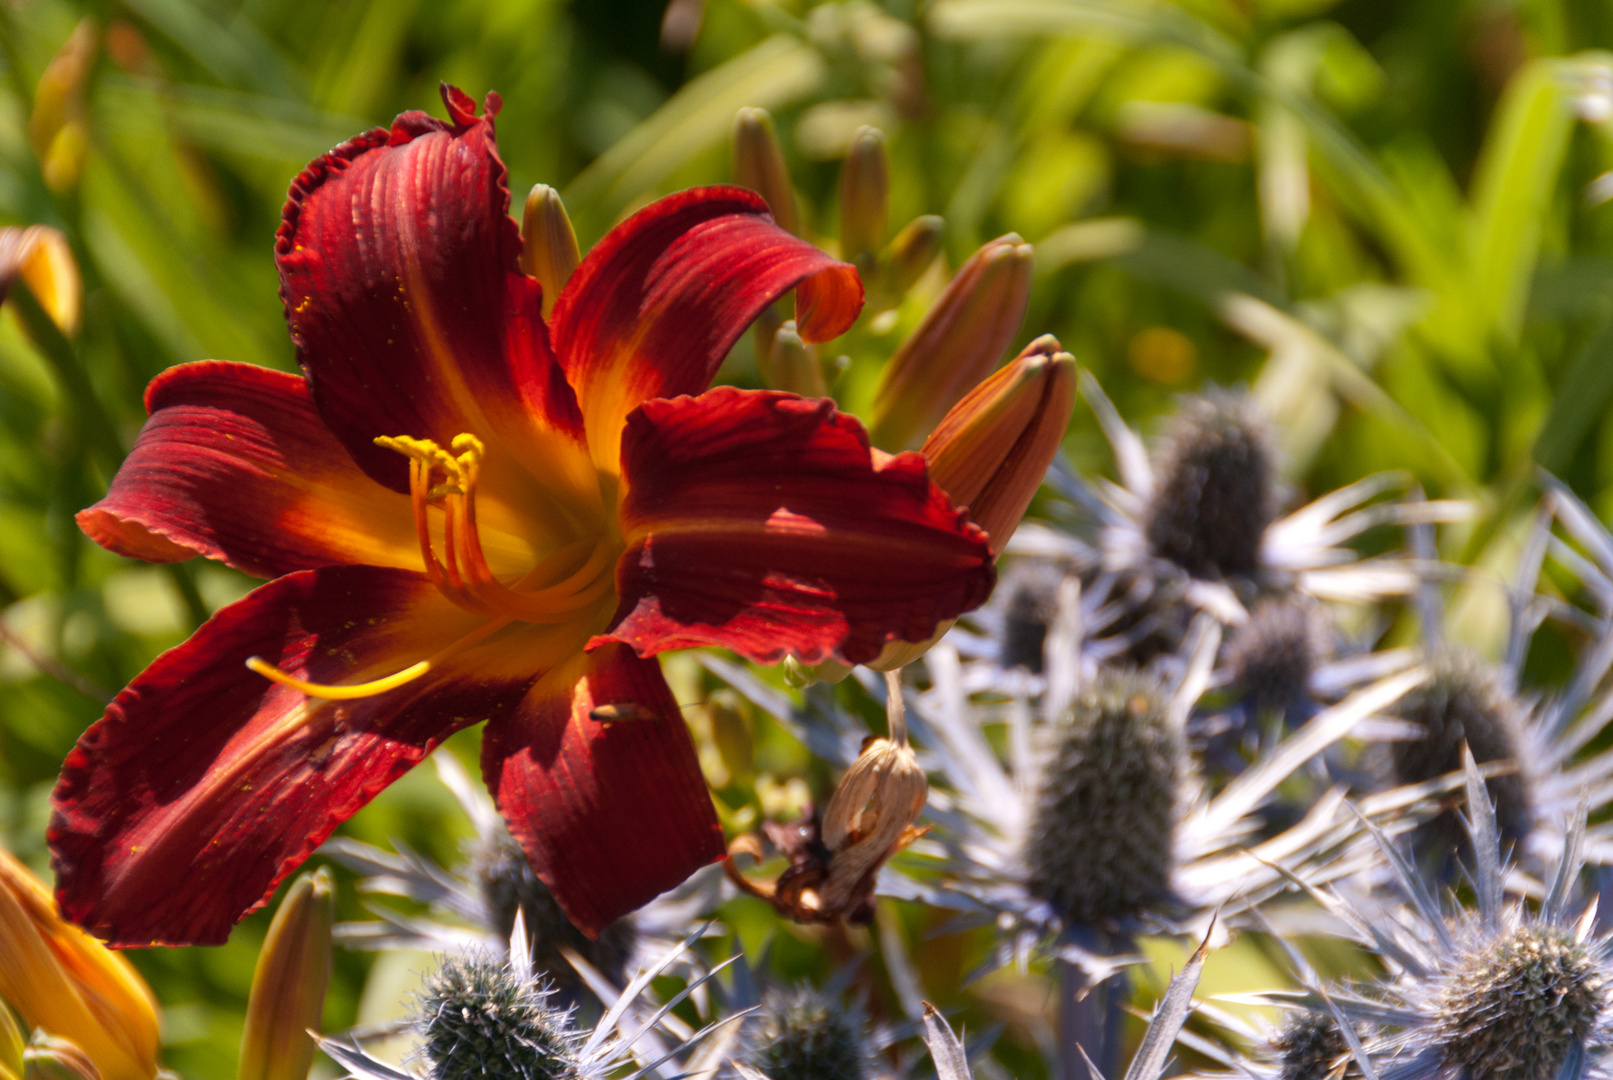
{"x": 835, "y": 858}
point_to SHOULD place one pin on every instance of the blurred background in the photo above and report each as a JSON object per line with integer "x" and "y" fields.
{"x": 1388, "y": 219}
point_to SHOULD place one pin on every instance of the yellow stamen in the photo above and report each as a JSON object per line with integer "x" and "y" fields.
{"x": 462, "y": 573}
{"x": 332, "y": 692}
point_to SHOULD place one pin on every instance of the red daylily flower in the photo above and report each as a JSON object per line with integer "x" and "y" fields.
{"x": 470, "y": 515}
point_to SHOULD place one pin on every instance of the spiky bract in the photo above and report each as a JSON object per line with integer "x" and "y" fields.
{"x": 1101, "y": 837}
{"x": 1215, "y": 488}
{"x": 479, "y": 1021}
{"x": 808, "y": 1036}
{"x": 1464, "y": 701}
{"x": 1512, "y": 1006}
{"x": 505, "y": 879}
{"x": 1309, "y": 1046}
{"x": 1272, "y": 656}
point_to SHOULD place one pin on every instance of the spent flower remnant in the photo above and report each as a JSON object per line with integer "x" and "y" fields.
{"x": 65, "y": 983}
{"x": 470, "y": 513}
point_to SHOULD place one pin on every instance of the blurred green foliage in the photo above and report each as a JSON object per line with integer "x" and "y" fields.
{"x": 1386, "y": 217}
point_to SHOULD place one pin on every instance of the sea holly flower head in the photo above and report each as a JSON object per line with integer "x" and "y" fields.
{"x": 469, "y": 512}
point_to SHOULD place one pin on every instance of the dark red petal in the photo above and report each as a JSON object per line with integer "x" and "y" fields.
{"x": 398, "y": 268}
{"x": 657, "y": 304}
{"x": 205, "y": 784}
{"x": 236, "y": 465}
{"x": 758, "y": 521}
{"x": 610, "y": 813}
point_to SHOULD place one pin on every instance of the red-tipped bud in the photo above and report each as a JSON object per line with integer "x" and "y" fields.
{"x": 992, "y": 449}
{"x": 865, "y": 198}
{"x": 956, "y": 345}
{"x": 288, "y": 987}
{"x": 759, "y": 164}
{"x": 548, "y": 245}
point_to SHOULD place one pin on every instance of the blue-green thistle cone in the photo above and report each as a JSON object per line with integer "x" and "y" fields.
{"x": 478, "y": 1021}
{"x": 807, "y": 1036}
{"x": 1101, "y": 837}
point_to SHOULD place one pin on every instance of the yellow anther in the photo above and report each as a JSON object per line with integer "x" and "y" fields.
{"x": 338, "y": 693}
{"x": 468, "y": 444}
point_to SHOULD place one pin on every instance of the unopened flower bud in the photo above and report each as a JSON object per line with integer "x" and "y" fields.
{"x": 61, "y": 979}
{"x": 793, "y": 365}
{"x": 865, "y": 195}
{"x": 40, "y": 257}
{"x": 992, "y": 449}
{"x": 288, "y": 987}
{"x": 909, "y": 253}
{"x": 50, "y": 1057}
{"x": 548, "y": 245}
{"x": 759, "y": 164}
{"x": 956, "y": 345}
{"x": 57, "y": 129}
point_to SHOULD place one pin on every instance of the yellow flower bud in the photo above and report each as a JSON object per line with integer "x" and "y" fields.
{"x": 63, "y": 980}
{"x": 956, "y": 345}
{"x": 39, "y": 255}
{"x": 992, "y": 449}
{"x": 549, "y": 249}
{"x": 793, "y": 365}
{"x": 865, "y": 196}
{"x": 759, "y": 164}
{"x": 57, "y": 129}
{"x": 50, "y": 1057}
{"x": 288, "y": 987}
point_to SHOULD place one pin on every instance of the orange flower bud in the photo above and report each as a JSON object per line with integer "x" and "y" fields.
{"x": 865, "y": 198}
{"x": 288, "y": 987}
{"x": 40, "y": 256}
{"x": 57, "y": 129}
{"x": 957, "y": 343}
{"x": 549, "y": 249}
{"x": 793, "y": 365}
{"x": 992, "y": 449}
{"x": 759, "y": 164}
{"x": 989, "y": 453}
{"x": 63, "y": 980}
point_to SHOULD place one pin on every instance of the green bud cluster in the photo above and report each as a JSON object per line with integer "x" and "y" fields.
{"x": 1101, "y": 838}
{"x": 807, "y": 1036}
{"x": 1215, "y": 488}
{"x": 1513, "y": 1006}
{"x": 479, "y": 1021}
{"x": 505, "y": 879}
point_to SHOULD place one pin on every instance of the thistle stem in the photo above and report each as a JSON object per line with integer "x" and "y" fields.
{"x": 1091, "y": 1021}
